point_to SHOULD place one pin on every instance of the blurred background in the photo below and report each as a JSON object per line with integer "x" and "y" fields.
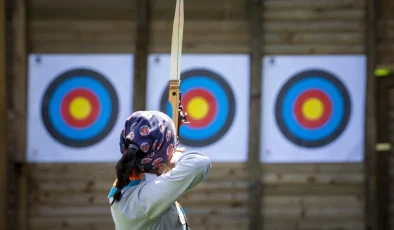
{"x": 293, "y": 101}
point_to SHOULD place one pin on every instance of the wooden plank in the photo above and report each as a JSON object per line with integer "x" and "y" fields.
{"x": 196, "y": 200}
{"x": 23, "y": 197}
{"x": 317, "y": 5}
{"x": 82, "y": 30}
{"x": 19, "y": 79}
{"x": 18, "y": 121}
{"x": 313, "y": 225}
{"x": 290, "y": 213}
{"x": 272, "y": 38}
{"x": 306, "y": 195}
{"x": 254, "y": 9}
{"x": 106, "y": 171}
{"x": 391, "y": 221}
{"x": 207, "y": 216}
{"x": 314, "y": 49}
{"x": 370, "y": 159}
{"x": 328, "y": 27}
{"x": 82, "y": 36}
{"x": 93, "y": 223}
{"x": 203, "y": 47}
{"x": 229, "y": 171}
{"x": 3, "y": 121}
{"x": 83, "y": 9}
{"x": 94, "y": 186}
{"x": 385, "y": 33}
{"x": 82, "y": 47}
{"x": 313, "y": 38}
{"x": 84, "y": 4}
{"x": 383, "y": 100}
{"x": 314, "y": 27}
{"x": 79, "y": 25}
{"x": 302, "y": 15}
{"x": 268, "y": 177}
{"x": 228, "y": 199}
{"x": 354, "y": 26}
{"x": 141, "y": 54}
{"x": 299, "y": 212}
{"x": 197, "y": 6}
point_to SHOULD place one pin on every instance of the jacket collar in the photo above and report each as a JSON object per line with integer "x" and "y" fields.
{"x": 149, "y": 177}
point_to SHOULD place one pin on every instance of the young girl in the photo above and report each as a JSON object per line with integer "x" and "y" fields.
{"x": 152, "y": 174}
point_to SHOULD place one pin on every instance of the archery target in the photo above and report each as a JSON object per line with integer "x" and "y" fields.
{"x": 313, "y": 108}
{"x": 215, "y": 95}
{"x": 77, "y": 106}
{"x": 210, "y": 104}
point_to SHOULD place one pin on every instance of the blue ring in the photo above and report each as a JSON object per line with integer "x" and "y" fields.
{"x": 226, "y": 107}
{"x": 340, "y": 101}
{"x": 337, "y": 108}
{"x": 55, "y": 108}
{"x": 169, "y": 109}
{"x": 222, "y": 110}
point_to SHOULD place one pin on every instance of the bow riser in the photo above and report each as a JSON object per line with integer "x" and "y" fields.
{"x": 174, "y": 97}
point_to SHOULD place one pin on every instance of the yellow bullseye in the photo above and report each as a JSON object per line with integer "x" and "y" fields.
{"x": 80, "y": 108}
{"x": 197, "y": 108}
{"x": 312, "y": 109}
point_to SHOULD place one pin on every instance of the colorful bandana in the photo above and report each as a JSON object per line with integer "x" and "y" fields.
{"x": 153, "y": 133}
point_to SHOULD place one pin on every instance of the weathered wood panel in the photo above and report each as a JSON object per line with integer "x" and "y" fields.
{"x": 73, "y": 196}
{"x": 11, "y": 175}
{"x": 81, "y": 26}
{"x": 313, "y": 196}
{"x": 82, "y": 36}
{"x": 3, "y": 121}
{"x": 103, "y": 27}
{"x": 384, "y": 162}
{"x": 391, "y": 165}
{"x": 392, "y": 191}
{"x": 302, "y": 196}
{"x": 305, "y": 196}
{"x": 386, "y": 33}
{"x": 254, "y": 8}
{"x": 211, "y": 26}
{"x": 314, "y": 26}
{"x": 17, "y": 57}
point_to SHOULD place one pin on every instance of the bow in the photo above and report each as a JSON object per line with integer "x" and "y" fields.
{"x": 174, "y": 91}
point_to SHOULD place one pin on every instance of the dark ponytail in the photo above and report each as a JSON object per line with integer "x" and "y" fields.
{"x": 126, "y": 166}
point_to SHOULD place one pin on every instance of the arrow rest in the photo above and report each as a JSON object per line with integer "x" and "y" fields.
{"x": 182, "y": 116}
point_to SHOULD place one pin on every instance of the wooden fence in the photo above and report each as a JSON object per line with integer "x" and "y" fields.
{"x": 294, "y": 196}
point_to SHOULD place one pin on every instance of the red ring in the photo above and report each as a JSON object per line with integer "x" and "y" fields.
{"x": 65, "y": 105}
{"x": 327, "y": 109}
{"x": 212, "y": 107}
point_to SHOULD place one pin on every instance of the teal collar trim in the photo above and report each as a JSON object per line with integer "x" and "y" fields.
{"x": 131, "y": 184}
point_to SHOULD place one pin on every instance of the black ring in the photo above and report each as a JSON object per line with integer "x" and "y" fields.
{"x": 230, "y": 96}
{"x": 345, "y": 118}
{"x": 48, "y": 96}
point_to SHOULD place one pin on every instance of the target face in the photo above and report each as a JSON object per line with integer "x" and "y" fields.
{"x": 313, "y": 108}
{"x": 79, "y": 108}
{"x": 210, "y": 105}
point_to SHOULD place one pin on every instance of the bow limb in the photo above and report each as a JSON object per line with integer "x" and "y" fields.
{"x": 174, "y": 91}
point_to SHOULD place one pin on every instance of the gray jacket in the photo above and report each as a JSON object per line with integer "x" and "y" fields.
{"x": 151, "y": 205}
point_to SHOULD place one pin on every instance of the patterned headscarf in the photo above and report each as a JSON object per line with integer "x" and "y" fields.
{"x": 153, "y": 133}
